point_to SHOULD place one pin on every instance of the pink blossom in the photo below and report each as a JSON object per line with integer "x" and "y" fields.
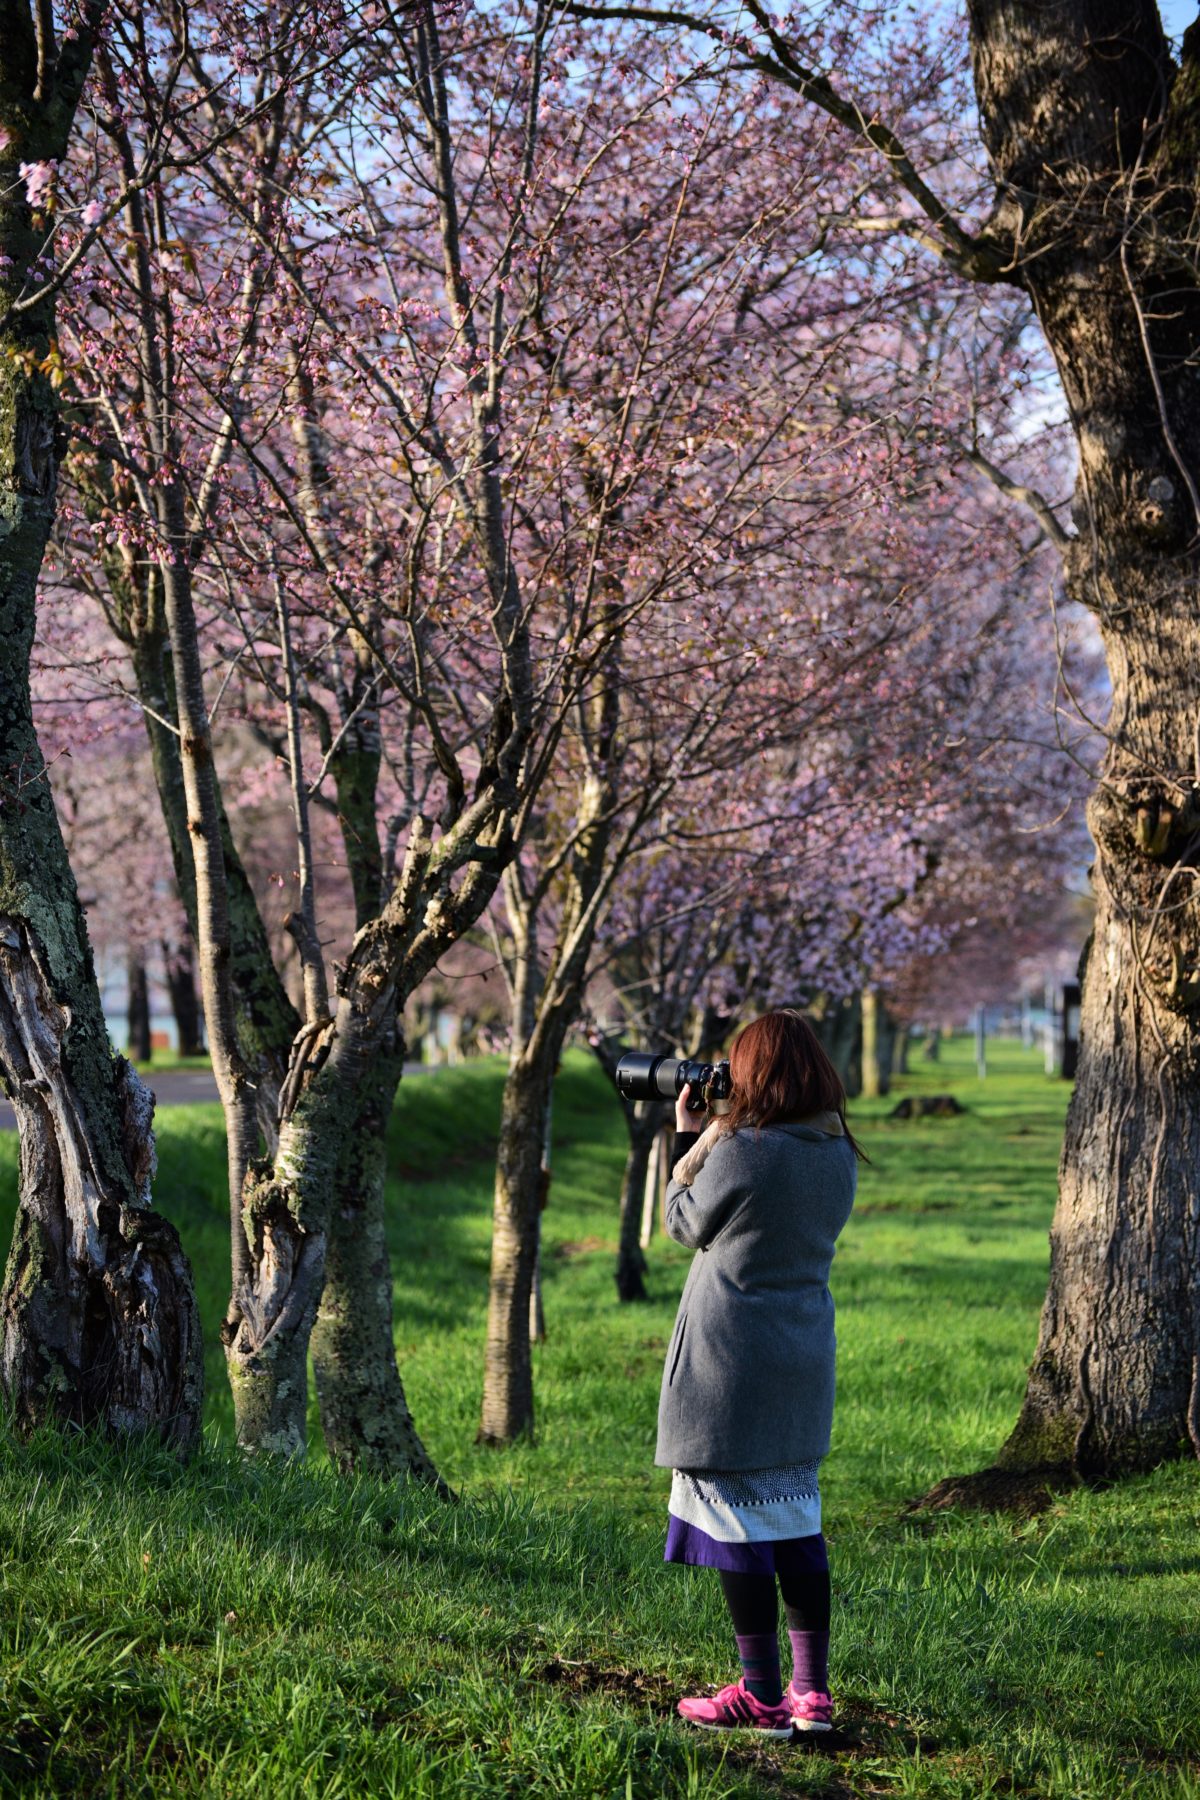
{"x": 39, "y": 178}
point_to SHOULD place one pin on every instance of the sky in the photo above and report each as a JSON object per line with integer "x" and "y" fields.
{"x": 1177, "y": 15}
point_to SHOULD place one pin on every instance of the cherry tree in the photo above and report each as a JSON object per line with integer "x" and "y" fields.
{"x": 99, "y": 1319}
{"x": 759, "y": 459}
{"x": 346, "y": 489}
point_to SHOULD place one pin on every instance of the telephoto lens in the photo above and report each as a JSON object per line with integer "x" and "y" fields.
{"x": 640, "y": 1076}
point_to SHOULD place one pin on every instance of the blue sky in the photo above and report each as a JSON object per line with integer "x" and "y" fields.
{"x": 1177, "y": 15}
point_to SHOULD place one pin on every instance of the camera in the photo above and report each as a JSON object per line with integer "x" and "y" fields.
{"x": 643, "y": 1077}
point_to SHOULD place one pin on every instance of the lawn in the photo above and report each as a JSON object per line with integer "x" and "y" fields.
{"x": 229, "y": 1630}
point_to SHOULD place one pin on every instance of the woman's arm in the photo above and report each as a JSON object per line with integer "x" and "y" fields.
{"x": 697, "y": 1213}
{"x": 681, "y": 1143}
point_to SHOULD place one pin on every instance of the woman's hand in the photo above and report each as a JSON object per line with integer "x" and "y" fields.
{"x": 685, "y": 1120}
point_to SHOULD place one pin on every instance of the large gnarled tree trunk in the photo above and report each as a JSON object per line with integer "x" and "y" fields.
{"x": 98, "y": 1320}
{"x": 1092, "y": 135}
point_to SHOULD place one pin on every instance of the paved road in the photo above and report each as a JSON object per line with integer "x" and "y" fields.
{"x": 176, "y": 1087}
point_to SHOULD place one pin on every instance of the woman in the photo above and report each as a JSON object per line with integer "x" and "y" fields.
{"x": 747, "y": 1394}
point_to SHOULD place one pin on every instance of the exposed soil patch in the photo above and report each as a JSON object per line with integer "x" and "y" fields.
{"x": 627, "y": 1684}
{"x": 585, "y": 1247}
{"x": 927, "y": 1106}
{"x": 860, "y": 1731}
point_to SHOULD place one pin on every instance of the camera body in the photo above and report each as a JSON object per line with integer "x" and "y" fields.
{"x": 640, "y": 1076}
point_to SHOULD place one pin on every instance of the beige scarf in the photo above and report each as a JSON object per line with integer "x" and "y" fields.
{"x": 690, "y": 1165}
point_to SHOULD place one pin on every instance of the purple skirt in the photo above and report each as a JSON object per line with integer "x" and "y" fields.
{"x": 785, "y": 1556}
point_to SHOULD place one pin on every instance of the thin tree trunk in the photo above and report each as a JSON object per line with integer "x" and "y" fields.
{"x": 140, "y": 1048}
{"x": 839, "y": 1026}
{"x": 537, "y": 1310}
{"x": 643, "y": 1121}
{"x": 508, "y": 1370}
{"x": 876, "y": 1046}
{"x": 180, "y": 965}
{"x": 234, "y": 1078}
{"x": 900, "y": 1048}
{"x": 650, "y": 1192}
{"x": 544, "y": 1008}
{"x": 265, "y": 1020}
{"x": 98, "y": 1319}
{"x": 364, "y": 1413}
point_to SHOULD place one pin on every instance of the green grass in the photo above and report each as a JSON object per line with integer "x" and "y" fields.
{"x": 169, "y": 1062}
{"x": 229, "y": 1630}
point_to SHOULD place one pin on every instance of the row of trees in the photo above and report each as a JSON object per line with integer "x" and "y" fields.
{"x": 494, "y": 418}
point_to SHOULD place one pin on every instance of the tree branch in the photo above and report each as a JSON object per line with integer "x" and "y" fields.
{"x": 1037, "y": 503}
{"x": 978, "y": 258}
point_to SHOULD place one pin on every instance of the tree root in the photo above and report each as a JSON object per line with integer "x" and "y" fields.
{"x": 1024, "y": 1492}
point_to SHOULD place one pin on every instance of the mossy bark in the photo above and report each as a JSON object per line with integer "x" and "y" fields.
{"x": 355, "y": 771}
{"x": 367, "y": 1425}
{"x": 545, "y": 1005}
{"x": 98, "y": 1320}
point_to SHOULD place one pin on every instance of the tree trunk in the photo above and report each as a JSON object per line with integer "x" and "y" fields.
{"x": 265, "y": 1019}
{"x": 838, "y": 1024}
{"x": 140, "y": 1047}
{"x": 643, "y": 1121}
{"x": 364, "y": 1414}
{"x": 877, "y": 1039}
{"x": 98, "y": 1319}
{"x": 900, "y": 1048}
{"x": 1115, "y": 1383}
{"x": 651, "y": 1199}
{"x": 508, "y": 1369}
{"x": 180, "y": 964}
{"x": 537, "y": 1306}
{"x": 931, "y": 1049}
{"x": 537, "y": 1309}
{"x": 365, "y": 1419}
{"x": 355, "y": 771}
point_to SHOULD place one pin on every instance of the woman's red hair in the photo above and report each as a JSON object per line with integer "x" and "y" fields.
{"x": 779, "y": 1071}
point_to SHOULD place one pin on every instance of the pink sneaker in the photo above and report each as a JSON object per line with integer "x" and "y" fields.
{"x": 810, "y": 1712}
{"x": 733, "y": 1709}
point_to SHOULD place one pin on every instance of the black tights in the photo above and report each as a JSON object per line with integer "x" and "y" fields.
{"x": 754, "y": 1608}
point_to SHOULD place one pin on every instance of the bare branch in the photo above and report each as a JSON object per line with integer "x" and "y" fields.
{"x": 1037, "y": 503}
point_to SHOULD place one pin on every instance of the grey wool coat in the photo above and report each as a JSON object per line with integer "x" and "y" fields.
{"x": 748, "y": 1382}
